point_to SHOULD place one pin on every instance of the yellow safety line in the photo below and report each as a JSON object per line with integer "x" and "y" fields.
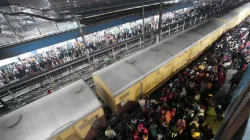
{"x": 221, "y": 19}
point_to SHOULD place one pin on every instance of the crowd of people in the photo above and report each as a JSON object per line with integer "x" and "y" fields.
{"x": 188, "y": 99}
{"x": 52, "y": 58}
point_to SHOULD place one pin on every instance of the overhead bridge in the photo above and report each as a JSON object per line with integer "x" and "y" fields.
{"x": 65, "y": 31}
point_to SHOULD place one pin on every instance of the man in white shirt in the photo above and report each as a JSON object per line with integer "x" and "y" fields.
{"x": 110, "y": 133}
{"x": 142, "y": 102}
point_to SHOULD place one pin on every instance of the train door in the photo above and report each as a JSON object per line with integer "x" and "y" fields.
{"x": 159, "y": 76}
{"x": 196, "y": 49}
{"x": 167, "y": 69}
{"x": 147, "y": 83}
{"x": 183, "y": 59}
{"x": 175, "y": 63}
{"x": 200, "y": 46}
{"x": 205, "y": 43}
{"x": 235, "y": 21}
{"x": 189, "y": 54}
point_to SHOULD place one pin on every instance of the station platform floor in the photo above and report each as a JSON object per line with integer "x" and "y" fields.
{"x": 223, "y": 95}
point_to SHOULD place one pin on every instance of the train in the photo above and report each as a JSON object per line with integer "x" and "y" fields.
{"x": 75, "y": 112}
{"x": 121, "y": 83}
{"x": 71, "y": 113}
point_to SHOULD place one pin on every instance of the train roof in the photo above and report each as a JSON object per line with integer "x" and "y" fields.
{"x": 236, "y": 12}
{"x": 123, "y": 74}
{"x": 242, "y": 9}
{"x": 41, "y": 119}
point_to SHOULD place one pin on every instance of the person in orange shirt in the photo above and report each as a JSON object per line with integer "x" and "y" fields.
{"x": 168, "y": 117}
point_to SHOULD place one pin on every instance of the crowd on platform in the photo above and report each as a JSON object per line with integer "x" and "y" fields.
{"x": 50, "y": 59}
{"x": 188, "y": 99}
{"x": 38, "y": 63}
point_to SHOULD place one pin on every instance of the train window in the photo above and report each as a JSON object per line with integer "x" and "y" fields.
{"x": 87, "y": 122}
{"x": 124, "y": 96}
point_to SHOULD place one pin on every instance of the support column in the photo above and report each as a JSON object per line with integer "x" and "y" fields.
{"x": 169, "y": 31}
{"x": 113, "y": 52}
{"x": 36, "y": 25}
{"x": 140, "y": 44}
{"x": 82, "y": 35}
{"x": 126, "y": 48}
{"x": 184, "y": 25}
{"x": 7, "y": 21}
{"x": 160, "y": 21}
{"x": 57, "y": 26}
{"x": 72, "y": 70}
{"x": 13, "y": 96}
{"x": 89, "y": 60}
{"x": 143, "y": 27}
{"x": 5, "y": 106}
